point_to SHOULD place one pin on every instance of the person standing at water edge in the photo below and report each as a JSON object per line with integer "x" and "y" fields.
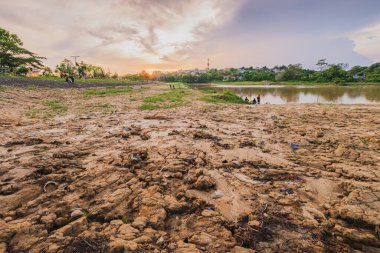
{"x": 258, "y": 99}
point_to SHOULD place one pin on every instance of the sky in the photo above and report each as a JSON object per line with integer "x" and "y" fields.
{"x": 127, "y": 36}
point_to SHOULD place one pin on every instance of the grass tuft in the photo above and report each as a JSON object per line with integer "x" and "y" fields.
{"x": 56, "y": 106}
{"x": 225, "y": 97}
{"x": 125, "y": 219}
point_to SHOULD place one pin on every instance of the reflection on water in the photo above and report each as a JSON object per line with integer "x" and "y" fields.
{"x": 307, "y": 94}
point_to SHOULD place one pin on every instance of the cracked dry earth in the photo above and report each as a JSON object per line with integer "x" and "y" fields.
{"x": 189, "y": 180}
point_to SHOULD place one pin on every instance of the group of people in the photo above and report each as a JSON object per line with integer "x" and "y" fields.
{"x": 254, "y": 101}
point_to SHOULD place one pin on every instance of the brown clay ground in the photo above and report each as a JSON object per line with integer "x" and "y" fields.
{"x": 98, "y": 174}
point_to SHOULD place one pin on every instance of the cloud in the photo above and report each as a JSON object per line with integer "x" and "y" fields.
{"x": 131, "y": 35}
{"x": 115, "y": 31}
{"x": 367, "y": 41}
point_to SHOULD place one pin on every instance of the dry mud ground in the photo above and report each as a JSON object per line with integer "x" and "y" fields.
{"x": 102, "y": 175}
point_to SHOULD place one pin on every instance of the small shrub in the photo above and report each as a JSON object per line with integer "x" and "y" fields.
{"x": 56, "y": 106}
{"x": 225, "y": 97}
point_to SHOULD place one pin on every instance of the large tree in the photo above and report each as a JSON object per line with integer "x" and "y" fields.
{"x": 12, "y": 54}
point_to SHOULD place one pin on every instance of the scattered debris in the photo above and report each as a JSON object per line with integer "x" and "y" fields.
{"x": 287, "y": 191}
{"x": 50, "y": 183}
{"x": 157, "y": 117}
{"x": 224, "y": 145}
{"x": 190, "y": 160}
{"x": 248, "y": 143}
{"x": 294, "y": 146}
{"x": 217, "y": 194}
{"x": 203, "y": 135}
{"x": 87, "y": 245}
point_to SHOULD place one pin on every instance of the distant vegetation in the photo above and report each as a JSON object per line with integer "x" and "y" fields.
{"x": 165, "y": 100}
{"x": 18, "y": 61}
{"x": 293, "y": 73}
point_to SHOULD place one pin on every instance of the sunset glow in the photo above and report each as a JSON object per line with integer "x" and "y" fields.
{"x": 127, "y": 36}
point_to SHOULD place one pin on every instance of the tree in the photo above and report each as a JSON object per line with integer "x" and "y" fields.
{"x": 322, "y": 64}
{"x": 65, "y": 68}
{"x": 334, "y": 72}
{"x": 12, "y": 54}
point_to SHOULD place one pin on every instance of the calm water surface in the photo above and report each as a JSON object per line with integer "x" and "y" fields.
{"x": 324, "y": 94}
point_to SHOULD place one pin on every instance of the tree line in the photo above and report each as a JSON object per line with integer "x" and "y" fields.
{"x": 326, "y": 73}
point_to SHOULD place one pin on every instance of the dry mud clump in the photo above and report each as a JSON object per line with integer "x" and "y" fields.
{"x": 182, "y": 180}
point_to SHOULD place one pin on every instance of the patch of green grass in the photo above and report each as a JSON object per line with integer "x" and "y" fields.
{"x": 209, "y": 91}
{"x": 56, "y": 105}
{"x": 147, "y": 106}
{"x": 107, "y": 91}
{"x": 31, "y": 87}
{"x": 225, "y": 97}
{"x": 165, "y": 100}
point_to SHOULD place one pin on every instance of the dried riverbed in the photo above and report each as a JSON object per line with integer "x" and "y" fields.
{"x": 98, "y": 174}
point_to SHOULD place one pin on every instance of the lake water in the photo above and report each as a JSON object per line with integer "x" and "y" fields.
{"x": 324, "y": 94}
